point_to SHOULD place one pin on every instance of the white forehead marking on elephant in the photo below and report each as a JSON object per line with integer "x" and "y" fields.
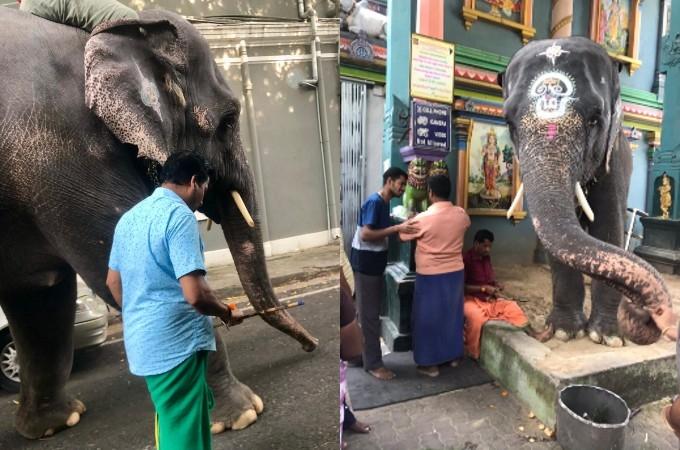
{"x": 553, "y": 52}
{"x": 553, "y": 92}
{"x": 149, "y": 93}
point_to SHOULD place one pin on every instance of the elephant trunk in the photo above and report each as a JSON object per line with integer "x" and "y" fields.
{"x": 245, "y": 244}
{"x": 550, "y": 190}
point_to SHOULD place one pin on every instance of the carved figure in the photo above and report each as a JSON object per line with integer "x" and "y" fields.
{"x": 361, "y": 19}
{"x": 665, "y": 199}
{"x": 415, "y": 195}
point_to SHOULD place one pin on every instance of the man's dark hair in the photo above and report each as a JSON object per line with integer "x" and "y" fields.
{"x": 181, "y": 166}
{"x": 483, "y": 235}
{"x": 393, "y": 173}
{"x": 440, "y": 185}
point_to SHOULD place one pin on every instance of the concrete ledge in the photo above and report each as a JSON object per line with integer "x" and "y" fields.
{"x": 535, "y": 372}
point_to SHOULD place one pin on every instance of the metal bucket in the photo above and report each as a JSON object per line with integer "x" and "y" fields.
{"x": 590, "y": 417}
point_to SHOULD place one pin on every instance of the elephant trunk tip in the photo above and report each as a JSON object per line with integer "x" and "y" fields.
{"x": 310, "y": 344}
{"x": 636, "y": 324}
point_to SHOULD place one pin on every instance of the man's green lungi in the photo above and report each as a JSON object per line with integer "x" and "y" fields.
{"x": 183, "y": 402}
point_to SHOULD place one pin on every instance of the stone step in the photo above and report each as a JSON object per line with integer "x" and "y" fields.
{"x": 535, "y": 372}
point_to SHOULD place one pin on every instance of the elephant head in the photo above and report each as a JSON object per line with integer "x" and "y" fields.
{"x": 154, "y": 84}
{"x": 563, "y": 109}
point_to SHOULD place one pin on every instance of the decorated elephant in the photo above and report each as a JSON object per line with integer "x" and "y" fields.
{"x": 86, "y": 123}
{"x": 563, "y": 109}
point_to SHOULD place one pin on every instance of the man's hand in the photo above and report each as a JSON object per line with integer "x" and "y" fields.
{"x": 235, "y": 318}
{"x": 491, "y": 291}
{"x": 408, "y": 227}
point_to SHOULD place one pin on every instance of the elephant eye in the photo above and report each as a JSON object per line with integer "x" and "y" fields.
{"x": 224, "y": 128}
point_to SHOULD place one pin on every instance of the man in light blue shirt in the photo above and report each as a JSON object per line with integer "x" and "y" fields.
{"x": 157, "y": 275}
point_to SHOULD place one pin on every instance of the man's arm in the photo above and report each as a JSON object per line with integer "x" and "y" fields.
{"x": 114, "y": 284}
{"x": 198, "y": 294}
{"x": 484, "y": 289}
{"x": 372, "y": 234}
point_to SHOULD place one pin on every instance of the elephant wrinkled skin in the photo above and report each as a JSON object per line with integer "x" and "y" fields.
{"x": 563, "y": 108}
{"x": 85, "y": 123}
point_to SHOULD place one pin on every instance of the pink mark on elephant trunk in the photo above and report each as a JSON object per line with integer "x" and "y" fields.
{"x": 551, "y": 131}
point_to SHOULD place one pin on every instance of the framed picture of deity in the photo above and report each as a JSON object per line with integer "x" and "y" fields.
{"x": 513, "y": 14}
{"x": 615, "y": 24}
{"x": 491, "y": 172}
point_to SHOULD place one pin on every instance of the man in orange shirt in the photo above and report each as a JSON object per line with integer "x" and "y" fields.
{"x": 483, "y": 295}
{"x": 437, "y": 312}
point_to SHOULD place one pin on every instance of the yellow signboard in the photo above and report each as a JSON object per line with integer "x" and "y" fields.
{"x": 431, "y": 69}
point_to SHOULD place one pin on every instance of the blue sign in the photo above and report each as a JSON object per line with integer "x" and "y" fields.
{"x": 430, "y": 126}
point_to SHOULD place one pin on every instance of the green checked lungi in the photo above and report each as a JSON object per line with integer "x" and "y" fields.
{"x": 183, "y": 402}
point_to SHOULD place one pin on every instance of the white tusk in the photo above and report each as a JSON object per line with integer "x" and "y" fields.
{"x": 583, "y": 202}
{"x": 242, "y": 207}
{"x": 515, "y": 201}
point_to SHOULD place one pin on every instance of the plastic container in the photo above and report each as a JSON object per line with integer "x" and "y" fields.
{"x": 591, "y": 417}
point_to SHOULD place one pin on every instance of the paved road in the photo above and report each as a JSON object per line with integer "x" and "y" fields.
{"x": 300, "y": 390}
{"x": 482, "y": 418}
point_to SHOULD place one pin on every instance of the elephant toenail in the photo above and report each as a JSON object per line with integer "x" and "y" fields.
{"x": 49, "y": 433}
{"x": 561, "y": 335}
{"x": 217, "y": 427}
{"x": 73, "y": 419}
{"x": 246, "y": 419}
{"x": 257, "y": 403}
{"x": 580, "y": 334}
{"x": 613, "y": 341}
{"x": 595, "y": 337}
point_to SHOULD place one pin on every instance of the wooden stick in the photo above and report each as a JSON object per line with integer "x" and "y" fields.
{"x": 253, "y": 313}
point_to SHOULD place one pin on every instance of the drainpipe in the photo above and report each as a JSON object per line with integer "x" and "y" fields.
{"x": 317, "y": 83}
{"x": 254, "y": 141}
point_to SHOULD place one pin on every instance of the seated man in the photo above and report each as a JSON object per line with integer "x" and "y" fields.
{"x": 483, "y": 295}
{"x": 85, "y": 14}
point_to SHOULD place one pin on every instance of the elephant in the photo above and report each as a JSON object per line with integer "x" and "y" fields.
{"x": 87, "y": 120}
{"x": 563, "y": 110}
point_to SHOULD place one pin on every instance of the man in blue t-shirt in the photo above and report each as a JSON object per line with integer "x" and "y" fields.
{"x": 157, "y": 275}
{"x": 369, "y": 259}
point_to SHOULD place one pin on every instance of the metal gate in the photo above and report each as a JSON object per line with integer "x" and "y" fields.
{"x": 352, "y": 159}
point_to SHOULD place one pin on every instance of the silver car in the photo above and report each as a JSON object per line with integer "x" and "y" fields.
{"x": 89, "y": 329}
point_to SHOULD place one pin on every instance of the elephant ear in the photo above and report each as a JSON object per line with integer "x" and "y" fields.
{"x": 615, "y": 113}
{"x": 130, "y": 68}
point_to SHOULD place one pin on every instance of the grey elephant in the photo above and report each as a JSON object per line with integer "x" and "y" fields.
{"x": 85, "y": 124}
{"x": 563, "y": 109}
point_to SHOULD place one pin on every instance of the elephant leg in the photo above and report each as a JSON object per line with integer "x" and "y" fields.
{"x": 566, "y": 319}
{"x": 41, "y": 320}
{"x": 609, "y": 204}
{"x": 236, "y": 405}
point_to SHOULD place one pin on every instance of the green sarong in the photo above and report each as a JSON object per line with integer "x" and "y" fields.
{"x": 183, "y": 402}
{"x": 85, "y": 14}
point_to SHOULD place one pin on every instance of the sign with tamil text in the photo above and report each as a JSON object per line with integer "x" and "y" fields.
{"x": 431, "y": 69}
{"x": 430, "y": 126}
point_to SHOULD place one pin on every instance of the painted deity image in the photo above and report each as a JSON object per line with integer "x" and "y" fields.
{"x": 613, "y": 25}
{"x": 507, "y": 7}
{"x": 490, "y": 168}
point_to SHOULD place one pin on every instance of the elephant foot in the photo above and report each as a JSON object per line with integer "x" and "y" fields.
{"x": 35, "y": 422}
{"x": 236, "y": 408}
{"x": 604, "y": 332}
{"x": 566, "y": 326}
{"x": 609, "y": 341}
